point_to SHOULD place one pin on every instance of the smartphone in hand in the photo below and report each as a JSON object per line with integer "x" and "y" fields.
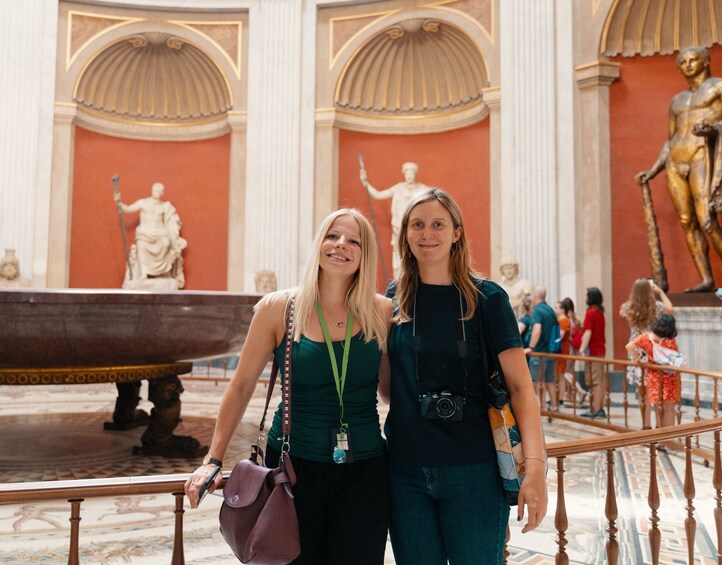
{"x": 204, "y": 489}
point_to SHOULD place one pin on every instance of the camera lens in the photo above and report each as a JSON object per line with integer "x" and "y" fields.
{"x": 445, "y": 408}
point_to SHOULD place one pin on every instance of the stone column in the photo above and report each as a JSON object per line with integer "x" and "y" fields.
{"x": 236, "y": 201}
{"x": 273, "y": 186}
{"x": 28, "y": 35}
{"x": 61, "y": 196}
{"x": 594, "y": 205}
{"x": 492, "y": 98}
{"x": 529, "y": 210}
{"x": 326, "y": 177}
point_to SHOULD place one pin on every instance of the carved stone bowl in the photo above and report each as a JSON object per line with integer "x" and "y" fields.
{"x": 97, "y": 328}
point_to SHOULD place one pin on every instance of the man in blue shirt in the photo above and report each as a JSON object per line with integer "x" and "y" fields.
{"x": 543, "y": 320}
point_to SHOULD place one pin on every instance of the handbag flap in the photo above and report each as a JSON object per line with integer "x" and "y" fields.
{"x": 245, "y": 483}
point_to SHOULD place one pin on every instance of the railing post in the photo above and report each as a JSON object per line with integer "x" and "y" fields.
{"x": 717, "y": 483}
{"x": 610, "y": 510}
{"x": 690, "y": 524}
{"x": 561, "y": 522}
{"x": 696, "y": 405}
{"x": 73, "y": 557}
{"x": 655, "y": 537}
{"x": 178, "y": 558}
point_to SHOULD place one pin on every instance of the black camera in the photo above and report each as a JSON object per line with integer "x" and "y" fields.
{"x": 442, "y": 406}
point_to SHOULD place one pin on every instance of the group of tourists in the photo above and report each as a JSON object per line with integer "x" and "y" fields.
{"x": 559, "y": 330}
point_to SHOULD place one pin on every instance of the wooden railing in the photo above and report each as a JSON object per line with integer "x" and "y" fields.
{"x": 76, "y": 491}
{"x": 613, "y": 415}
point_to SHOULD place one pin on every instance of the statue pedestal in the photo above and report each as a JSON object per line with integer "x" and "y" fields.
{"x": 164, "y": 387}
{"x": 699, "y": 329}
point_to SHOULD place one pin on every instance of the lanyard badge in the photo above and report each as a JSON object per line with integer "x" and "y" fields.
{"x": 340, "y": 436}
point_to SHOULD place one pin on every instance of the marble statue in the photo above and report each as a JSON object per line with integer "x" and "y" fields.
{"x": 155, "y": 259}
{"x": 266, "y": 282}
{"x": 10, "y": 272}
{"x": 517, "y": 288}
{"x": 692, "y": 159}
{"x": 400, "y": 194}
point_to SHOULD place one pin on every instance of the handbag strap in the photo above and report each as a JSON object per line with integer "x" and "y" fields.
{"x": 285, "y": 393}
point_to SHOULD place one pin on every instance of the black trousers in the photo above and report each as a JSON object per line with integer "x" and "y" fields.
{"x": 343, "y": 510}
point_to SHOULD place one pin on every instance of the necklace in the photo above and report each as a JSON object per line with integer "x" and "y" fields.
{"x": 339, "y": 323}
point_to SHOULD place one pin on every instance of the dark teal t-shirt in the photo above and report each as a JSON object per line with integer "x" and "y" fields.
{"x": 545, "y": 316}
{"x": 413, "y": 440}
{"x": 315, "y": 406}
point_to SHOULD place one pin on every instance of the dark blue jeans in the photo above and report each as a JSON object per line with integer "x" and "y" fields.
{"x": 453, "y": 514}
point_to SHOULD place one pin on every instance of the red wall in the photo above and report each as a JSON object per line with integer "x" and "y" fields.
{"x": 195, "y": 175}
{"x": 457, "y": 161}
{"x": 639, "y": 101}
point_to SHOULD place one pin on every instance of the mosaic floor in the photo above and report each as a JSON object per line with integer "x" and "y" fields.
{"x": 53, "y": 433}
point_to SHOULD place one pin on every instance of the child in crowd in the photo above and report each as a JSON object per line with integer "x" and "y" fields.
{"x": 663, "y": 387}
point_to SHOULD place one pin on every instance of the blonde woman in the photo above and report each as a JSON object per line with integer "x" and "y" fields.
{"x": 446, "y": 497}
{"x": 341, "y": 501}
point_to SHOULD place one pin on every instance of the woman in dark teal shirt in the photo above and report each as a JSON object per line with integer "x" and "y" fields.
{"x": 446, "y": 499}
{"x": 336, "y": 447}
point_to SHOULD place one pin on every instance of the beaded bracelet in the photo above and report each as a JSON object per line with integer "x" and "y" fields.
{"x": 542, "y": 459}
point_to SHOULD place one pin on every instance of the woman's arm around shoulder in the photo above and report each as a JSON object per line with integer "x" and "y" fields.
{"x": 387, "y": 308}
{"x": 525, "y": 406}
{"x": 265, "y": 332}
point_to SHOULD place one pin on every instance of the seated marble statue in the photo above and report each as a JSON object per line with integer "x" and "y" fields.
{"x": 514, "y": 286}
{"x": 10, "y": 272}
{"x": 155, "y": 260}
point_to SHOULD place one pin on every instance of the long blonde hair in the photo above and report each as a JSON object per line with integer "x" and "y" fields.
{"x": 361, "y": 293}
{"x": 640, "y": 309}
{"x": 462, "y": 274}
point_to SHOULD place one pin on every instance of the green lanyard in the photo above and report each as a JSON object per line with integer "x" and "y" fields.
{"x": 340, "y": 381}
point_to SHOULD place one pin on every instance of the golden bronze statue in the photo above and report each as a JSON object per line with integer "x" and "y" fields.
{"x": 693, "y": 160}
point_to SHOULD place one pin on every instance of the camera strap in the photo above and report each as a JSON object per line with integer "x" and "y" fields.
{"x": 461, "y": 345}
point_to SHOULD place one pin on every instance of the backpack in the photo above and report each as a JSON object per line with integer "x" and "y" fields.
{"x": 662, "y": 355}
{"x": 555, "y": 340}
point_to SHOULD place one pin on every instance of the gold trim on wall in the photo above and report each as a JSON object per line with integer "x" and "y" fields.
{"x": 489, "y": 33}
{"x": 71, "y": 57}
{"x": 333, "y": 52}
{"x": 191, "y": 25}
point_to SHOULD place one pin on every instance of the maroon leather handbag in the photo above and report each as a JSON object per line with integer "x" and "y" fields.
{"x": 258, "y": 515}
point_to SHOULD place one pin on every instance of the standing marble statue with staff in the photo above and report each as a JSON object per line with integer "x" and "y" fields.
{"x": 155, "y": 260}
{"x": 401, "y": 193}
{"x": 692, "y": 159}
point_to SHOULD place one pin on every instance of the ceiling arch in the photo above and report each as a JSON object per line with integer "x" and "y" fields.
{"x": 649, "y": 27}
{"x": 156, "y": 78}
{"x": 417, "y": 67}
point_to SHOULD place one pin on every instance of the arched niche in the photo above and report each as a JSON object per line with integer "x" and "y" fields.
{"x": 404, "y": 84}
{"x": 101, "y": 87}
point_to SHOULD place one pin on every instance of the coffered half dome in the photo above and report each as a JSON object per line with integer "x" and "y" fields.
{"x": 648, "y": 27}
{"x": 416, "y": 67}
{"x": 156, "y": 78}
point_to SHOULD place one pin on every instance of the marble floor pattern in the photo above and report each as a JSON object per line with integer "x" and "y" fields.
{"x": 55, "y": 432}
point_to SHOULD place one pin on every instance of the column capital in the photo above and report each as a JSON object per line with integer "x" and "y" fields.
{"x": 65, "y": 112}
{"x": 492, "y": 96}
{"x": 325, "y": 116}
{"x": 237, "y": 120}
{"x": 597, "y": 73}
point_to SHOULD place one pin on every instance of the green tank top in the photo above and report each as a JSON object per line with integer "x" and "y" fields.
{"x": 315, "y": 408}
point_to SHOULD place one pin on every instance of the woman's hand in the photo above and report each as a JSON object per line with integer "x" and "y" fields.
{"x": 533, "y": 495}
{"x": 194, "y": 483}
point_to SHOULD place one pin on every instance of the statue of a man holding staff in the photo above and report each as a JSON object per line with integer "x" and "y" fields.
{"x": 693, "y": 166}
{"x": 401, "y": 193}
